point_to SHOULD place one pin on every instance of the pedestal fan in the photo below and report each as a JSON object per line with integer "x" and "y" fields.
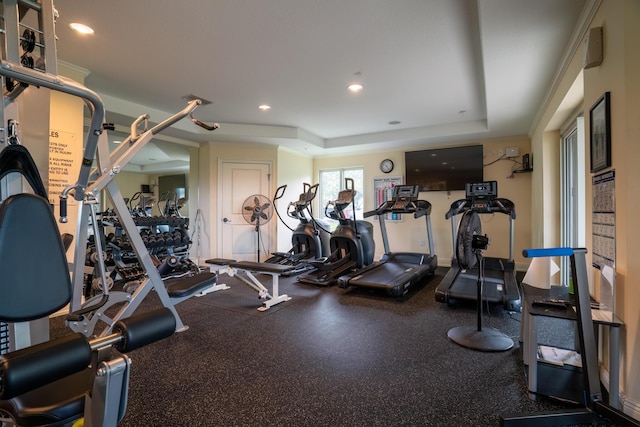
{"x": 469, "y": 246}
{"x": 257, "y": 210}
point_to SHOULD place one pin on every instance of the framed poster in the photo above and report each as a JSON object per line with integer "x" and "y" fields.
{"x": 600, "y": 133}
{"x": 383, "y": 191}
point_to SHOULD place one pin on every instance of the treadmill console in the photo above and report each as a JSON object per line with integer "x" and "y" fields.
{"x": 403, "y": 195}
{"x": 481, "y": 194}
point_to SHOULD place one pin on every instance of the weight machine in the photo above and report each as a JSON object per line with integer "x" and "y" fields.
{"x": 85, "y": 316}
{"x": 30, "y": 60}
{"x": 42, "y": 381}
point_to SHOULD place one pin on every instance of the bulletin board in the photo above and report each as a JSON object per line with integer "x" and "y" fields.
{"x": 604, "y": 220}
{"x": 383, "y": 191}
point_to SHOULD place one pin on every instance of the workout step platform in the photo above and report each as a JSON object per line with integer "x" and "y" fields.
{"x": 185, "y": 286}
{"x": 258, "y": 267}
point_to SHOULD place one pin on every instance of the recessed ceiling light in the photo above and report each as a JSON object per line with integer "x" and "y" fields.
{"x": 394, "y": 122}
{"x": 264, "y": 107}
{"x": 81, "y": 28}
{"x": 355, "y": 87}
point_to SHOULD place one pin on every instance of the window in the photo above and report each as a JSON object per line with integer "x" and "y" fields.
{"x": 332, "y": 182}
{"x": 572, "y": 191}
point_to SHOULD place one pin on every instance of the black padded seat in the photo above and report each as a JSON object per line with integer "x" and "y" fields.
{"x": 262, "y": 267}
{"x": 220, "y": 261}
{"x": 52, "y": 405}
{"x": 187, "y": 286}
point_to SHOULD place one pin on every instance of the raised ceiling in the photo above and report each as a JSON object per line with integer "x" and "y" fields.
{"x": 446, "y": 70}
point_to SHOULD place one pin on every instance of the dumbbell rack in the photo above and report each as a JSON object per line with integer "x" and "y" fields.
{"x": 109, "y": 165}
{"x": 169, "y": 248}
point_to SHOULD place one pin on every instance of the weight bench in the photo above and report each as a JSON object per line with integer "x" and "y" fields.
{"x": 170, "y": 292}
{"x": 182, "y": 288}
{"x": 232, "y": 267}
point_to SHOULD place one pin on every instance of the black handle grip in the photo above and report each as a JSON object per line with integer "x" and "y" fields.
{"x": 63, "y": 209}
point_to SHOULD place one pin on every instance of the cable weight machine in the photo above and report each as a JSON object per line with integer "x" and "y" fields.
{"x": 85, "y": 316}
{"x": 20, "y": 75}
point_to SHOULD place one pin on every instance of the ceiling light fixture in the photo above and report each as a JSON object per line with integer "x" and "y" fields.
{"x": 264, "y": 107}
{"x": 356, "y": 86}
{"x": 81, "y": 28}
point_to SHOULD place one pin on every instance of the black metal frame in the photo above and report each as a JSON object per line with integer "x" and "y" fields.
{"x": 595, "y": 409}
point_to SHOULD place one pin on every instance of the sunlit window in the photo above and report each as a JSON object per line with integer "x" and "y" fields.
{"x": 332, "y": 181}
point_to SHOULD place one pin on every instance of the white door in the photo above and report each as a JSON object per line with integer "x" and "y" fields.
{"x": 238, "y": 239}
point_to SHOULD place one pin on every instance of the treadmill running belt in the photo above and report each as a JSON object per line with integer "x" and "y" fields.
{"x": 391, "y": 276}
{"x": 467, "y": 284}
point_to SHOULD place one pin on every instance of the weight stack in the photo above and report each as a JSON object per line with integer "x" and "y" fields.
{"x": 4, "y": 338}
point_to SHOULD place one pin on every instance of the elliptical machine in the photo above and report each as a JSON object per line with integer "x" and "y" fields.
{"x": 310, "y": 239}
{"x": 352, "y": 246}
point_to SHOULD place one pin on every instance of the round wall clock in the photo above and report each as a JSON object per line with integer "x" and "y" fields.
{"x": 386, "y": 165}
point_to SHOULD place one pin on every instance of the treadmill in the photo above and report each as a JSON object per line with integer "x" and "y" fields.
{"x": 499, "y": 274}
{"x": 397, "y": 272}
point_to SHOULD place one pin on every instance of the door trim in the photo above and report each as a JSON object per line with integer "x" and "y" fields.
{"x": 271, "y": 225}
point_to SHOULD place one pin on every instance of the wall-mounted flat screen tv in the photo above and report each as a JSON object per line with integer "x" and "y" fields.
{"x": 444, "y": 169}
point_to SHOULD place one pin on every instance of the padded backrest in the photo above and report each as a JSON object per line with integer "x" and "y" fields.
{"x": 34, "y": 275}
{"x": 16, "y": 159}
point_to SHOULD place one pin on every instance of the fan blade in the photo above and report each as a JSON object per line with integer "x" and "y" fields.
{"x": 264, "y": 215}
{"x": 266, "y": 206}
{"x": 256, "y": 201}
{"x": 248, "y": 208}
{"x": 254, "y": 217}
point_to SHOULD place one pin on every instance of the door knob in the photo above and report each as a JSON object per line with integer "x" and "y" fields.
{"x": 225, "y": 219}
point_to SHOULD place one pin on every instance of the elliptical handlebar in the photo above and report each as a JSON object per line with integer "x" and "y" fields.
{"x": 279, "y": 192}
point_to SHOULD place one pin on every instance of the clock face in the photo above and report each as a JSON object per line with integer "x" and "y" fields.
{"x": 386, "y": 165}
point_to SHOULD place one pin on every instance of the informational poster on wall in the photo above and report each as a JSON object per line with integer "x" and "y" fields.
{"x": 65, "y": 155}
{"x": 383, "y": 191}
{"x": 604, "y": 220}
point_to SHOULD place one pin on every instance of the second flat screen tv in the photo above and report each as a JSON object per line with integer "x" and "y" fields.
{"x": 444, "y": 169}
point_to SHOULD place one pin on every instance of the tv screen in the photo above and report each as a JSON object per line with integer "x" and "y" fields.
{"x": 444, "y": 169}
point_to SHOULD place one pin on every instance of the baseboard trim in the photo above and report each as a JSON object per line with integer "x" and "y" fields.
{"x": 631, "y": 409}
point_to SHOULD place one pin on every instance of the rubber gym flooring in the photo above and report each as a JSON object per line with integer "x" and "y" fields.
{"x": 327, "y": 357}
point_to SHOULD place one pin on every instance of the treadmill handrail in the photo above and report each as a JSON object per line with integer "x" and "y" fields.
{"x": 499, "y": 204}
{"x": 416, "y": 207}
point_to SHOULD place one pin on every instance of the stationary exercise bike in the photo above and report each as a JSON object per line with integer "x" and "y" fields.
{"x": 310, "y": 239}
{"x": 351, "y": 244}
